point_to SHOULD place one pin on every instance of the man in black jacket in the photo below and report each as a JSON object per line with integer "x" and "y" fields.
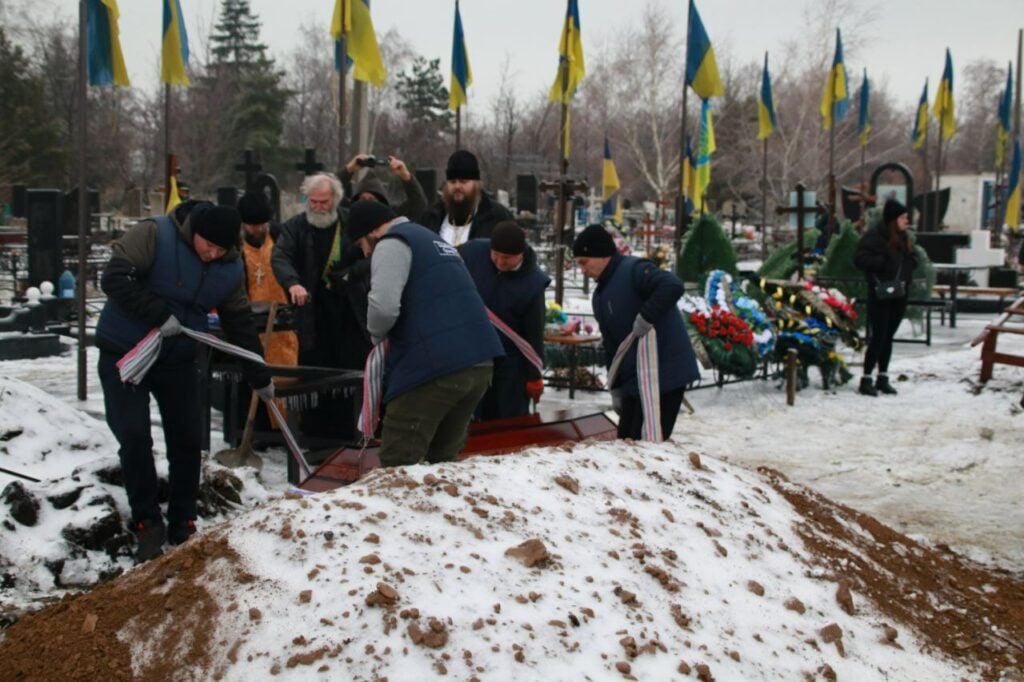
{"x": 169, "y": 273}
{"x": 370, "y": 187}
{"x": 504, "y": 269}
{"x": 465, "y": 210}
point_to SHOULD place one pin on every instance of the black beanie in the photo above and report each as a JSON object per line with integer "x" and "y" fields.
{"x": 462, "y": 165}
{"x": 218, "y": 225}
{"x": 594, "y": 242}
{"x": 508, "y": 238}
{"x": 893, "y": 210}
{"x": 366, "y": 216}
{"x": 254, "y": 208}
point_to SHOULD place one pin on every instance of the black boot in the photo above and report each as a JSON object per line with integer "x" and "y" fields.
{"x": 867, "y": 388}
{"x": 149, "y": 540}
{"x": 180, "y": 531}
{"x": 883, "y": 385}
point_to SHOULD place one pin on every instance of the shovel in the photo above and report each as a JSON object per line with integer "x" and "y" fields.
{"x": 243, "y": 455}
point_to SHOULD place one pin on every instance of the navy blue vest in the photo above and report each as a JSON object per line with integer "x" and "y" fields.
{"x": 507, "y": 294}
{"x": 443, "y": 327}
{"x": 190, "y": 287}
{"x": 616, "y": 305}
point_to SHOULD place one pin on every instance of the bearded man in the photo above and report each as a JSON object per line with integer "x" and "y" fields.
{"x": 306, "y": 259}
{"x": 465, "y": 210}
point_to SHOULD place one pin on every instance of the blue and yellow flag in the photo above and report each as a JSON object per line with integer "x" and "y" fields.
{"x": 920, "y": 132}
{"x": 688, "y": 177}
{"x": 864, "y": 121}
{"x": 352, "y": 17}
{"x": 174, "y": 55}
{"x": 570, "y": 55}
{"x": 836, "y": 100}
{"x": 462, "y": 74}
{"x": 105, "y": 62}
{"x": 943, "y": 108}
{"x": 1012, "y": 219}
{"x": 1003, "y": 119}
{"x": 173, "y": 198}
{"x": 701, "y": 67}
{"x": 765, "y": 105}
{"x": 611, "y": 206}
{"x": 705, "y": 148}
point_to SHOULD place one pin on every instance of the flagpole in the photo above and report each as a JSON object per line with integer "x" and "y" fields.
{"x": 83, "y": 199}
{"x": 563, "y": 168}
{"x": 764, "y": 199}
{"x": 168, "y": 171}
{"x": 863, "y": 182}
{"x": 681, "y": 217}
{"x": 830, "y": 227}
{"x": 458, "y": 127}
{"x": 933, "y": 211}
{"x": 342, "y": 75}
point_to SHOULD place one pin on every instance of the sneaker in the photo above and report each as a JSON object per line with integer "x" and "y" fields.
{"x": 883, "y": 386}
{"x": 867, "y": 388}
{"x": 149, "y": 540}
{"x": 180, "y": 531}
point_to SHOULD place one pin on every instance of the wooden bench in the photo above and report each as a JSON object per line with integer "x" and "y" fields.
{"x": 990, "y": 335}
{"x": 955, "y": 290}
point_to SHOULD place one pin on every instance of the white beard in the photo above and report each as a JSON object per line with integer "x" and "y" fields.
{"x": 321, "y": 219}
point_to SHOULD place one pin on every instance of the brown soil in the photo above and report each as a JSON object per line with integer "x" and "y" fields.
{"x": 970, "y": 613}
{"x": 77, "y": 638}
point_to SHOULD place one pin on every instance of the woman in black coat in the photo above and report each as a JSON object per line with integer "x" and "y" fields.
{"x": 885, "y": 255}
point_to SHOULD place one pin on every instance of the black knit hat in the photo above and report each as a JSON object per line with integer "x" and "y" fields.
{"x": 508, "y": 238}
{"x": 254, "y": 208}
{"x": 893, "y": 210}
{"x": 462, "y": 165}
{"x": 218, "y": 225}
{"x": 594, "y": 242}
{"x": 366, "y": 216}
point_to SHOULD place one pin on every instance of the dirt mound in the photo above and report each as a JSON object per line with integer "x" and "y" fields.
{"x": 968, "y": 612}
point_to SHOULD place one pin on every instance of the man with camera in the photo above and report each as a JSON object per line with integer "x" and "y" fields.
{"x": 465, "y": 211}
{"x": 370, "y": 187}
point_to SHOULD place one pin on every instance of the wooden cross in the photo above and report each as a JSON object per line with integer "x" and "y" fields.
{"x": 566, "y": 190}
{"x": 250, "y": 166}
{"x": 802, "y": 211}
{"x": 734, "y": 216}
{"x": 309, "y": 164}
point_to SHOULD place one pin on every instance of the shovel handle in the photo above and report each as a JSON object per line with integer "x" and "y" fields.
{"x": 255, "y": 400}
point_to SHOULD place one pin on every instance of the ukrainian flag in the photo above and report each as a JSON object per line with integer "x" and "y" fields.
{"x": 864, "y": 121}
{"x": 352, "y": 17}
{"x": 1003, "y": 119}
{"x": 1012, "y": 219}
{"x": 920, "y": 132}
{"x": 765, "y": 105}
{"x": 701, "y": 67}
{"x": 174, "y": 58}
{"x": 705, "y": 148}
{"x": 173, "y": 197}
{"x": 943, "y": 108}
{"x": 688, "y": 176}
{"x": 835, "y": 101}
{"x": 105, "y": 62}
{"x": 462, "y": 74}
{"x": 570, "y": 53}
{"x": 610, "y": 186}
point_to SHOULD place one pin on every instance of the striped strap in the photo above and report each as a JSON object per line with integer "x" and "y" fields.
{"x": 289, "y": 439}
{"x": 522, "y": 344}
{"x": 647, "y": 380}
{"x": 134, "y": 364}
{"x": 373, "y": 388}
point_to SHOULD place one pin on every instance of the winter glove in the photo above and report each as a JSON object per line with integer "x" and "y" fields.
{"x": 266, "y": 393}
{"x": 534, "y": 389}
{"x": 641, "y": 326}
{"x": 171, "y": 327}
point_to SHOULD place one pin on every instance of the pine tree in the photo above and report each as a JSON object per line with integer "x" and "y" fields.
{"x": 707, "y": 248}
{"x": 236, "y": 37}
{"x": 423, "y": 96}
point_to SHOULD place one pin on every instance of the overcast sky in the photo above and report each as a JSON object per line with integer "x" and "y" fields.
{"x": 904, "y": 44}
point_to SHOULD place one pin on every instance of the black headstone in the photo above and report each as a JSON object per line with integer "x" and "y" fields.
{"x": 941, "y": 246}
{"x": 71, "y": 211}
{"x": 427, "y": 178}
{"x": 45, "y": 212}
{"x": 526, "y": 193}
{"x": 267, "y": 184}
{"x": 18, "y": 199}
{"x": 227, "y": 196}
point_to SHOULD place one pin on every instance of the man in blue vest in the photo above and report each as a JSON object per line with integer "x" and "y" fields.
{"x": 170, "y": 273}
{"x": 504, "y": 269}
{"x": 634, "y": 295}
{"x": 441, "y": 344}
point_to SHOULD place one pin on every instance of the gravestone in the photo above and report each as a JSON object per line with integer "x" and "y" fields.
{"x": 19, "y": 201}
{"x": 980, "y": 253}
{"x": 941, "y": 246}
{"x": 71, "y": 211}
{"x": 266, "y": 184}
{"x": 526, "y": 193}
{"x": 309, "y": 165}
{"x": 44, "y": 209}
{"x": 250, "y": 166}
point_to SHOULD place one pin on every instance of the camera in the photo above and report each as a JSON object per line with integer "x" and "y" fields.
{"x": 372, "y": 161}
